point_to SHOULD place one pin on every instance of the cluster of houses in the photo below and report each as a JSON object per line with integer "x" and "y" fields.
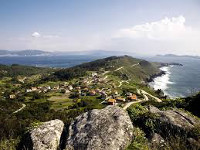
{"x": 118, "y": 99}
{"x": 87, "y": 86}
{"x": 61, "y": 87}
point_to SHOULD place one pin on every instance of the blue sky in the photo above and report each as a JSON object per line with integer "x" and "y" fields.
{"x": 141, "y": 26}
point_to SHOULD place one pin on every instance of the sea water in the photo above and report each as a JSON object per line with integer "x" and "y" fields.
{"x": 179, "y": 81}
{"x": 64, "y": 61}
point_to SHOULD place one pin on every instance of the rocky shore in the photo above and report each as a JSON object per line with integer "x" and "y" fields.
{"x": 161, "y": 73}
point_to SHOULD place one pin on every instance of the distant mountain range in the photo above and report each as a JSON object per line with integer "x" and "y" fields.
{"x": 23, "y": 53}
{"x": 173, "y": 55}
{"x": 103, "y": 53}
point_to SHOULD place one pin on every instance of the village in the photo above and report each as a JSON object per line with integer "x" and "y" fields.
{"x": 95, "y": 84}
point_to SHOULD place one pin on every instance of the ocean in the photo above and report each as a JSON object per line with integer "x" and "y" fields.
{"x": 64, "y": 61}
{"x": 179, "y": 81}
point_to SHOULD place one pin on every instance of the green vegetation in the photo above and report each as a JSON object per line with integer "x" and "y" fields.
{"x": 175, "y": 138}
{"x": 190, "y": 104}
{"x": 132, "y": 69}
{"x": 66, "y": 93}
{"x": 16, "y": 70}
{"x": 139, "y": 142}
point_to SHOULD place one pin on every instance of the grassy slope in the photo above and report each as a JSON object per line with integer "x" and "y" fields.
{"x": 16, "y": 70}
{"x": 139, "y": 72}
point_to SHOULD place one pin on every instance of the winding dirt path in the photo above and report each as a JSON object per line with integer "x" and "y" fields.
{"x": 135, "y": 64}
{"x": 156, "y": 98}
{"x": 130, "y": 103}
{"x": 118, "y": 68}
{"x": 144, "y": 93}
{"x": 20, "y": 109}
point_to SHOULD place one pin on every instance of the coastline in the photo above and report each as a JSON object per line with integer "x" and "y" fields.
{"x": 161, "y": 80}
{"x": 162, "y": 72}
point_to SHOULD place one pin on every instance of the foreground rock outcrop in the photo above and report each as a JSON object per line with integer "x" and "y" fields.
{"x": 175, "y": 117}
{"x": 45, "y": 136}
{"x": 176, "y": 126}
{"x": 106, "y": 129}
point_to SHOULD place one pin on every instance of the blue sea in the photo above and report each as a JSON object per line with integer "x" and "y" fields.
{"x": 179, "y": 81}
{"x": 64, "y": 61}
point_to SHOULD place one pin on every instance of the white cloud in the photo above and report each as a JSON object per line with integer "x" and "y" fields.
{"x": 36, "y": 34}
{"x": 165, "y": 29}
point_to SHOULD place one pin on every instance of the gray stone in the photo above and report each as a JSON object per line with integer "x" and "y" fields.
{"x": 175, "y": 117}
{"x": 106, "y": 129}
{"x": 156, "y": 139}
{"x": 47, "y": 135}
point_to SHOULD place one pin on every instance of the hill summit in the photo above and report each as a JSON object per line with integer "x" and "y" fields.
{"x": 122, "y": 66}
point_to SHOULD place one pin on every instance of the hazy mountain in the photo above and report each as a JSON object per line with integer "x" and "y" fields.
{"x": 23, "y": 53}
{"x": 96, "y": 53}
{"x": 173, "y": 55}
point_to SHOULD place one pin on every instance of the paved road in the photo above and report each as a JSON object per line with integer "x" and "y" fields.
{"x": 105, "y": 72}
{"x": 144, "y": 93}
{"x": 135, "y": 64}
{"x": 138, "y": 101}
{"x": 123, "y": 67}
{"x": 120, "y": 83}
{"x": 20, "y": 109}
{"x": 118, "y": 68}
{"x": 130, "y": 103}
{"x": 156, "y": 98}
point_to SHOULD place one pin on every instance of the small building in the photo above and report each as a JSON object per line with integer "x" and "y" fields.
{"x": 97, "y": 90}
{"x": 132, "y": 98}
{"x": 129, "y": 94}
{"x": 83, "y": 94}
{"x": 94, "y": 74}
{"x": 116, "y": 92}
{"x": 12, "y": 96}
{"x": 17, "y": 85}
{"x": 85, "y": 89}
{"x": 67, "y": 91}
{"x": 111, "y": 101}
{"x": 79, "y": 91}
{"x": 120, "y": 99}
{"x": 78, "y": 87}
{"x": 56, "y": 87}
{"x": 28, "y": 90}
{"x": 92, "y": 93}
{"x": 70, "y": 87}
{"x": 48, "y": 88}
{"x": 34, "y": 88}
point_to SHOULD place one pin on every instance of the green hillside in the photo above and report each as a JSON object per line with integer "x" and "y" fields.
{"x": 123, "y": 66}
{"x": 16, "y": 70}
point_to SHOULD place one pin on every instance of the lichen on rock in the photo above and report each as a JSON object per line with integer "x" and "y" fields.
{"x": 106, "y": 129}
{"x": 45, "y": 136}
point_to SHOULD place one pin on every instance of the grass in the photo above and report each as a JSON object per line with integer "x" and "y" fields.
{"x": 50, "y": 83}
{"x": 9, "y": 144}
{"x": 61, "y": 101}
{"x": 139, "y": 141}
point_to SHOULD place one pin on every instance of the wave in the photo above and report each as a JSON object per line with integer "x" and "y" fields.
{"x": 163, "y": 81}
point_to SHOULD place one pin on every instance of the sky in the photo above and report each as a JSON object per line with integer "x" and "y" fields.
{"x": 138, "y": 26}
